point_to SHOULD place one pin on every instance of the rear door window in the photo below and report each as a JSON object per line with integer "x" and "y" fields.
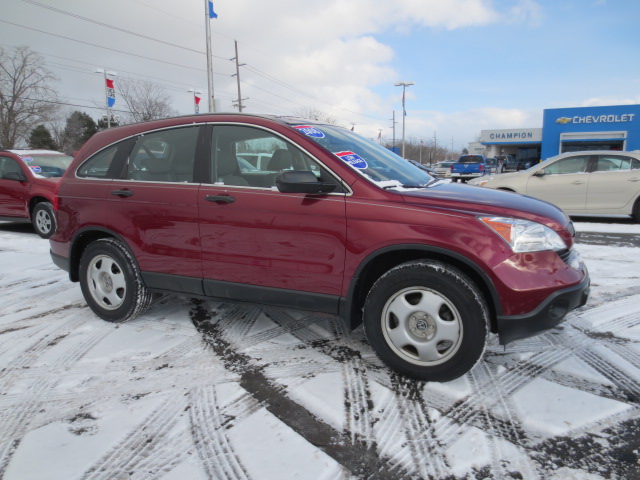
{"x": 164, "y": 156}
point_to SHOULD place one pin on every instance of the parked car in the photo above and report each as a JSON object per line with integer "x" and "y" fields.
{"x": 525, "y": 163}
{"x": 28, "y": 179}
{"x": 443, "y": 169}
{"x": 509, "y": 163}
{"x": 335, "y": 223}
{"x": 581, "y": 183}
{"x": 468, "y": 167}
{"x": 495, "y": 165}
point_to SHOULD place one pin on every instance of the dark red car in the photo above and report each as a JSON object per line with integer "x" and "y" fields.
{"x": 327, "y": 221}
{"x": 28, "y": 179}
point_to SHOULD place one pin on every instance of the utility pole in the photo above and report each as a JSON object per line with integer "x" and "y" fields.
{"x": 209, "y": 14}
{"x": 237, "y": 75}
{"x": 393, "y": 125}
{"x": 435, "y": 145}
{"x": 404, "y": 86}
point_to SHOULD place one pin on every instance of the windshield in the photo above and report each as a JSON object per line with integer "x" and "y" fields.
{"x": 47, "y": 165}
{"x": 369, "y": 159}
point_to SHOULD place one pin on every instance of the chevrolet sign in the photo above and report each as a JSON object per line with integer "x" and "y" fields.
{"x": 627, "y": 117}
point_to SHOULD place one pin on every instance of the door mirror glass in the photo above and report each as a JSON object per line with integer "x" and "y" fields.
{"x": 302, "y": 181}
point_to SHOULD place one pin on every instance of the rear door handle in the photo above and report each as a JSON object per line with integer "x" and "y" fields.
{"x": 577, "y": 182}
{"x": 634, "y": 179}
{"x": 121, "y": 193}
{"x": 220, "y": 198}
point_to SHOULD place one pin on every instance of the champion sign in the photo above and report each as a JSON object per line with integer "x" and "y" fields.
{"x": 111, "y": 92}
{"x": 627, "y": 117}
{"x": 353, "y": 159}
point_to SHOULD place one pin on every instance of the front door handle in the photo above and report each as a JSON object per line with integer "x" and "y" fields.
{"x": 220, "y": 198}
{"x": 122, "y": 193}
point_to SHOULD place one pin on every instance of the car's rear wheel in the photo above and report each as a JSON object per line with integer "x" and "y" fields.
{"x": 111, "y": 282}
{"x": 636, "y": 210}
{"x": 43, "y": 219}
{"x": 426, "y": 319}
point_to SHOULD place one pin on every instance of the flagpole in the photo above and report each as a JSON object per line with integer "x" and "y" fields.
{"x": 212, "y": 105}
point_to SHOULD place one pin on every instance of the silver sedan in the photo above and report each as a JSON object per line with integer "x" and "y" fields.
{"x": 599, "y": 182}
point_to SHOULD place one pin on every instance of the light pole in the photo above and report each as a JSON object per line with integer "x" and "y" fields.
{"x": 109, "y": 91}
{"x": 404, "y": 86}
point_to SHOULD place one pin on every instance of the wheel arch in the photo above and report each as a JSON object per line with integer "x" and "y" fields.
{"x": 381, "y": 261}
{"x": 36, "y": 199}
{"x": 82, "y": 239}
{"x": 635, "y": 211}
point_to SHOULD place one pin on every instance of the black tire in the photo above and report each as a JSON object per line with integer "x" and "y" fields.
{"x": 43, "y": 219}
{"x": 426, "y": 319}
{"x": 111, "y": 282}
{"x": 636, "y": 210}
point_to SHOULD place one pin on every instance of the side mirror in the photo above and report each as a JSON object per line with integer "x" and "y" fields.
{"x": 540, "y": 173}
{"x": 302, "y": 181}
{"x": 17, "y": 176}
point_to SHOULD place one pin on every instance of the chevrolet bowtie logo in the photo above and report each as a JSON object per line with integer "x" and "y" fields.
{"x": 563, "y": 120}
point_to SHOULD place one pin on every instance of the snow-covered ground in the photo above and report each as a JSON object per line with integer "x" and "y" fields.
{"x": 205, "y": 390}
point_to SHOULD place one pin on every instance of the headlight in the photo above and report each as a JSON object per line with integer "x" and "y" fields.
{"x": 524, "y": 235}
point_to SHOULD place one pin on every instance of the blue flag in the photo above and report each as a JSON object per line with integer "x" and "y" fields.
{"x": 212, "y": 14}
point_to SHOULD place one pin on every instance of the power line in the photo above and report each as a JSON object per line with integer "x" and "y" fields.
{"x": 113, "y": 27}
{"x": 105, "y": 48}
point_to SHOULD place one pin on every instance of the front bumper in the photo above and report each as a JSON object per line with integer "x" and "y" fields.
{"x": 548, "y": 314}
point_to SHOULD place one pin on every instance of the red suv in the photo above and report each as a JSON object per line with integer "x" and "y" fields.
{"x": 28, "y": 179}
{"x": 328, "y": 221}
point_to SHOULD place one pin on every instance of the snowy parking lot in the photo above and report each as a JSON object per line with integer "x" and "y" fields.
{"x": 206, "y": 390}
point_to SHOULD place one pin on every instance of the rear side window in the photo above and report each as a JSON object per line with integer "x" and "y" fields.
{"x": 99, "y": 165}
{"x": 164, "y": 156}
{"x": 611, "y": 163}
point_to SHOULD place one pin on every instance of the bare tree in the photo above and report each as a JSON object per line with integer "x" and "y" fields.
{"x": 27, "y": 98}
{"x": 145, "y": 101}
{"x": 313, "y": 113}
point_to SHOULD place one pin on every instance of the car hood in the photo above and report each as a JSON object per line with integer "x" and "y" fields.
{"x": 486, "y": 201}
{"x": 50, "y": 182}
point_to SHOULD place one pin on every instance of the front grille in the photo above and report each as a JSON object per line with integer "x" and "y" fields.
{"x": 564, "y": 255}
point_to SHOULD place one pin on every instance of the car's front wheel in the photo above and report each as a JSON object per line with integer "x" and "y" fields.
{"x": 111, "y": 282}
{"x": 426, "y": 319}
{"x": 43, "y": 219}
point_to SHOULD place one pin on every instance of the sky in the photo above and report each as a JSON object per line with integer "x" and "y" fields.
{"x": 475, "y": 64}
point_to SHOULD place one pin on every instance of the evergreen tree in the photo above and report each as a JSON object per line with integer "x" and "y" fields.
{"x": 80, "y": 128}
{"x": 41, "y": 138}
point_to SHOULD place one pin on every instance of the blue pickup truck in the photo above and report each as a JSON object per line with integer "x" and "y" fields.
{"x": 468, "y": 167}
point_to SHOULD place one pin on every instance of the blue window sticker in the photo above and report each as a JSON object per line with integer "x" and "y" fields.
{"x": 309, "y": 131}
{"x": 35, "y": 169}
{"x": 353, "y": 159}
{"x": 27, "y": 159}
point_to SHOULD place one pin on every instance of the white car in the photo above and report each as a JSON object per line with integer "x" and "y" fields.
{"x": 599, "y": 182}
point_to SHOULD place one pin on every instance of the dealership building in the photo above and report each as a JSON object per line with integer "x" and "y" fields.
{"x": 566, "y": 130}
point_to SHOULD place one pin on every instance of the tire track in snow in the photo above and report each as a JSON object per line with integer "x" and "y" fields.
{"x": 209, "y": 434}
{"x": 16, "y": 422}
{"x": 355, "y": 456}
{"x": 146, "y": 448}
